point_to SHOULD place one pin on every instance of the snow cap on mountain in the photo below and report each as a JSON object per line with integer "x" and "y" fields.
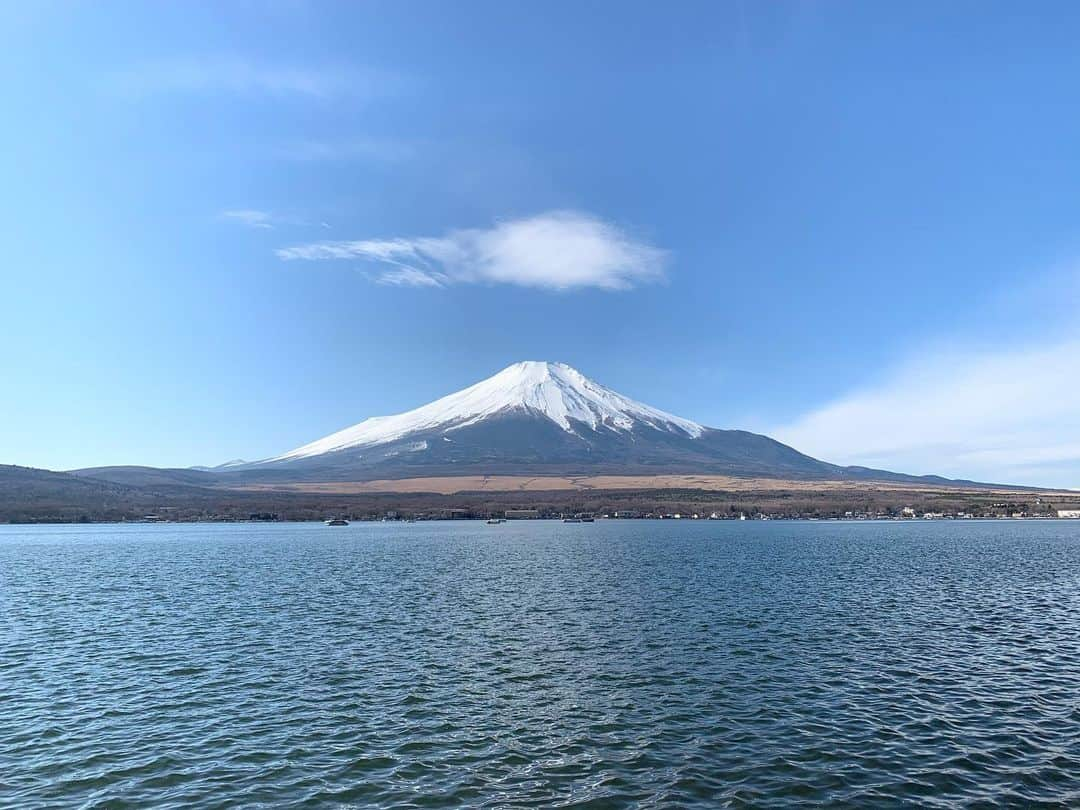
{"x": 551, "y": 390}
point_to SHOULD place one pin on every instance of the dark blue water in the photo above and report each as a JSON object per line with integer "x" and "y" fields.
{"x": 540, "y": 664}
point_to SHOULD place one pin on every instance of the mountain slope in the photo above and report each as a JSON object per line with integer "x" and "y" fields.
{"x": 538, "y": 418}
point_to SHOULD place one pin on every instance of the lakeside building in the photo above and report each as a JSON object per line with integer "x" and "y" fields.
{"x": 522, "y": 514}
{"x": 451, "y": 514}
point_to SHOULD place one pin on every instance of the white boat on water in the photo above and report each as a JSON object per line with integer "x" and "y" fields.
{"x": 337, "y": 522}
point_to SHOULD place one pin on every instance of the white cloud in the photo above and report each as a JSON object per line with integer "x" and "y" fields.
{"x": 558, "y": 250}
{"x": 242, "y": 77}
{"x": 250, "y": 217}
{"x": 1010, "y": 416}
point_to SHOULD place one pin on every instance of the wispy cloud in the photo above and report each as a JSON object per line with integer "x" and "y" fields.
{"x": 558, "y": 250}
{"x": 1009, "y": 416}
{"x": 409, "y": 277}
{"x": 242, "y": 77}
{"x": 267, "y": 220}
{"x": 250, "y": 217}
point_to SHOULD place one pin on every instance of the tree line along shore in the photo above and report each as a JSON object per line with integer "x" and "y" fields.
{"x": 116, "y": 504}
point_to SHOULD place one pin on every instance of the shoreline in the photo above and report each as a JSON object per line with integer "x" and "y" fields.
{"x": 546, "y": 519}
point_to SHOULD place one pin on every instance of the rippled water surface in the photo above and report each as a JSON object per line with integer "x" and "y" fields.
{"x": 539, "y": 664}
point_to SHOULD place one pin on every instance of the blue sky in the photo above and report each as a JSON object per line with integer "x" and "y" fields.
{"x": 231, "y": 228}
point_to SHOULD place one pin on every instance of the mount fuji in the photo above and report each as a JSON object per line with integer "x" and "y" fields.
{"x": 538, "y": 418}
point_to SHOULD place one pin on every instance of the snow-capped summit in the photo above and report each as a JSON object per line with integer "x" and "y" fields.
{"x": 533, "y": 418}
{"x": 554, "y": 391}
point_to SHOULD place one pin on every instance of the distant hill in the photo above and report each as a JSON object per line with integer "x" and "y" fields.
{"x": 29, "y": 493}
{"x": 149, "y": 476}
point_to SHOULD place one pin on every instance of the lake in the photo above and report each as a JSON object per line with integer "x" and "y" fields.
{"x": 621, "y": 663}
